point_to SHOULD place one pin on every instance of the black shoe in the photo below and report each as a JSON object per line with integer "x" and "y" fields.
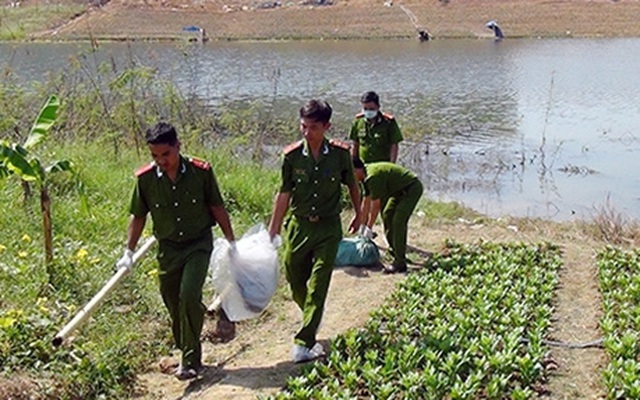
{"x": 393, "y": 268}
{"x": 188, "y": 373}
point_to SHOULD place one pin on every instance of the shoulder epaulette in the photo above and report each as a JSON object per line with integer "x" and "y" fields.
{"x": 291, "y": 147}
{"x": 360, "y": 115}
{"x": 144, "y": 169}
{"x": 387, "y": 116}
{"x": 339, "y": 143}
{"x": 202, "y": 164}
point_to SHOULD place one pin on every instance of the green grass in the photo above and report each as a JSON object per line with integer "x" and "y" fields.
{"x": 444, "y": 211}
{"x": 20, "y": 22}
{"x": 131, "y": 327}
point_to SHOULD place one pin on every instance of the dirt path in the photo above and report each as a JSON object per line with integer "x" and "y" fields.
{"x": 257, "y": 361}
{"x": 576, "y": 321}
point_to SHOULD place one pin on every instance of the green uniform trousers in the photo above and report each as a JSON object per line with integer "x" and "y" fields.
{"x": 309, "y": 254}
{"x": 183, "y": 269}
{"x": 395, "y": 218}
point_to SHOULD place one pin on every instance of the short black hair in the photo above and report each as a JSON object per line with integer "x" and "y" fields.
{"x": 357, "y": 163}
{"x": 317, "y": 110}
{"x": 161, "y": 133}
{"x": 370, "y": 97}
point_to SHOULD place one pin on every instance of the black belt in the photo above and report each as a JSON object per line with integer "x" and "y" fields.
{"x": 312, "y": 218}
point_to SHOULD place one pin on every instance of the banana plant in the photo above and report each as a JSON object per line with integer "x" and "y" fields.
{"x": 19, "y": 159}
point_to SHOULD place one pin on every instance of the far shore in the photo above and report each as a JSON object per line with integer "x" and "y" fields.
{"x": 241, "y": 20}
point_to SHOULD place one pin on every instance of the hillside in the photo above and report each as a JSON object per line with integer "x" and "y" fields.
{"x": 348, "y": 19}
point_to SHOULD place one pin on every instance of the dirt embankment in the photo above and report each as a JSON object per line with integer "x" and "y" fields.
{"x": 351, "y": 19}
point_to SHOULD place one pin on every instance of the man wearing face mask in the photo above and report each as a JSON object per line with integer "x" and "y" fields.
{"x": 375, "y": 135}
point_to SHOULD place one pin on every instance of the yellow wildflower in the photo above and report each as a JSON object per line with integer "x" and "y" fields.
{"x": 22, "y": 254}
{"x": 26, "y": 238}
{"x": 81, "y": 254}
{"x": 2, "y": 248}
{"x": 7, "y": 322}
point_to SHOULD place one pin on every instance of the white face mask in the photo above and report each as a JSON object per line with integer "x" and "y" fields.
{"x": 370, "y": 114}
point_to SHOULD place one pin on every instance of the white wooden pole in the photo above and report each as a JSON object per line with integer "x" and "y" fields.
{"x": 88, "y": 309}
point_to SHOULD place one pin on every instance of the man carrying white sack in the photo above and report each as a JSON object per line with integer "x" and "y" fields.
{"x": 182, "y": 196}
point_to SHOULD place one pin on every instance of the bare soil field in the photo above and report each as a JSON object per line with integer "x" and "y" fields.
{"x": 257, "y": 362}
{"x": 348, "y": 19}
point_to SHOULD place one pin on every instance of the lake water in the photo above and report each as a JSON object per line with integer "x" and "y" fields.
{"x": 543, "y": 128}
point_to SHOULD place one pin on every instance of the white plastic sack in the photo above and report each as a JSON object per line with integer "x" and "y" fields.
{"x": 246, "y": 281}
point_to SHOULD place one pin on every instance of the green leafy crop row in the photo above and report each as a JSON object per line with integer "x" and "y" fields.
{"x": 620, "y": 285}
{"x": 469, "y": 325}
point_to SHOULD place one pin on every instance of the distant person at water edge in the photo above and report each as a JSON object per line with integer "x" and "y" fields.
{"x": 313, "y": 170}
{"x": 423, "y": 35}
{"x": 375, "y": 135}
{"x": 183, "y": 198}
{"x": 393, "y": 192}
{"x": 493, "y": 25}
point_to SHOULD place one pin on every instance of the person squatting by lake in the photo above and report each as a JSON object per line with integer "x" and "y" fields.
{"x": 393, "y": 192}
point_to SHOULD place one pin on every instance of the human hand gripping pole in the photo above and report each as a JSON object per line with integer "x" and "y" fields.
{"x": 124, "y": 265}
{"x": 126, "y": 261}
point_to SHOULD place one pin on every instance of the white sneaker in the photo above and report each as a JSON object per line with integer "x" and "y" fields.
{"x": 317, "y": 350}
{"x": 302, "y": 354}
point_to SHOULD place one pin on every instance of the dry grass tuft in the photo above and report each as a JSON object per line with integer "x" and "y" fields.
{"x": 614, "y": 227}
{"x": 19, "y": 388}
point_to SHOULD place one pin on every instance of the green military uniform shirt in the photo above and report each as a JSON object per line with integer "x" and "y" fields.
{"x": 315, "y": 184}
{"x": 375, "y": 138}
{"x": 180, "y": 209}
{"x": 385, "y": 179}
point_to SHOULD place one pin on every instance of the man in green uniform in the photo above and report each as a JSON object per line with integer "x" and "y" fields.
{"x": 393, "y": 191}
{"x": 312, "y": 171}
{"x": 375, "y": 135}
{"x": 183, "y": 198}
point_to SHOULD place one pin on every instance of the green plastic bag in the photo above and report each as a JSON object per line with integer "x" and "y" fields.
{"x": 357, "y": 251}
